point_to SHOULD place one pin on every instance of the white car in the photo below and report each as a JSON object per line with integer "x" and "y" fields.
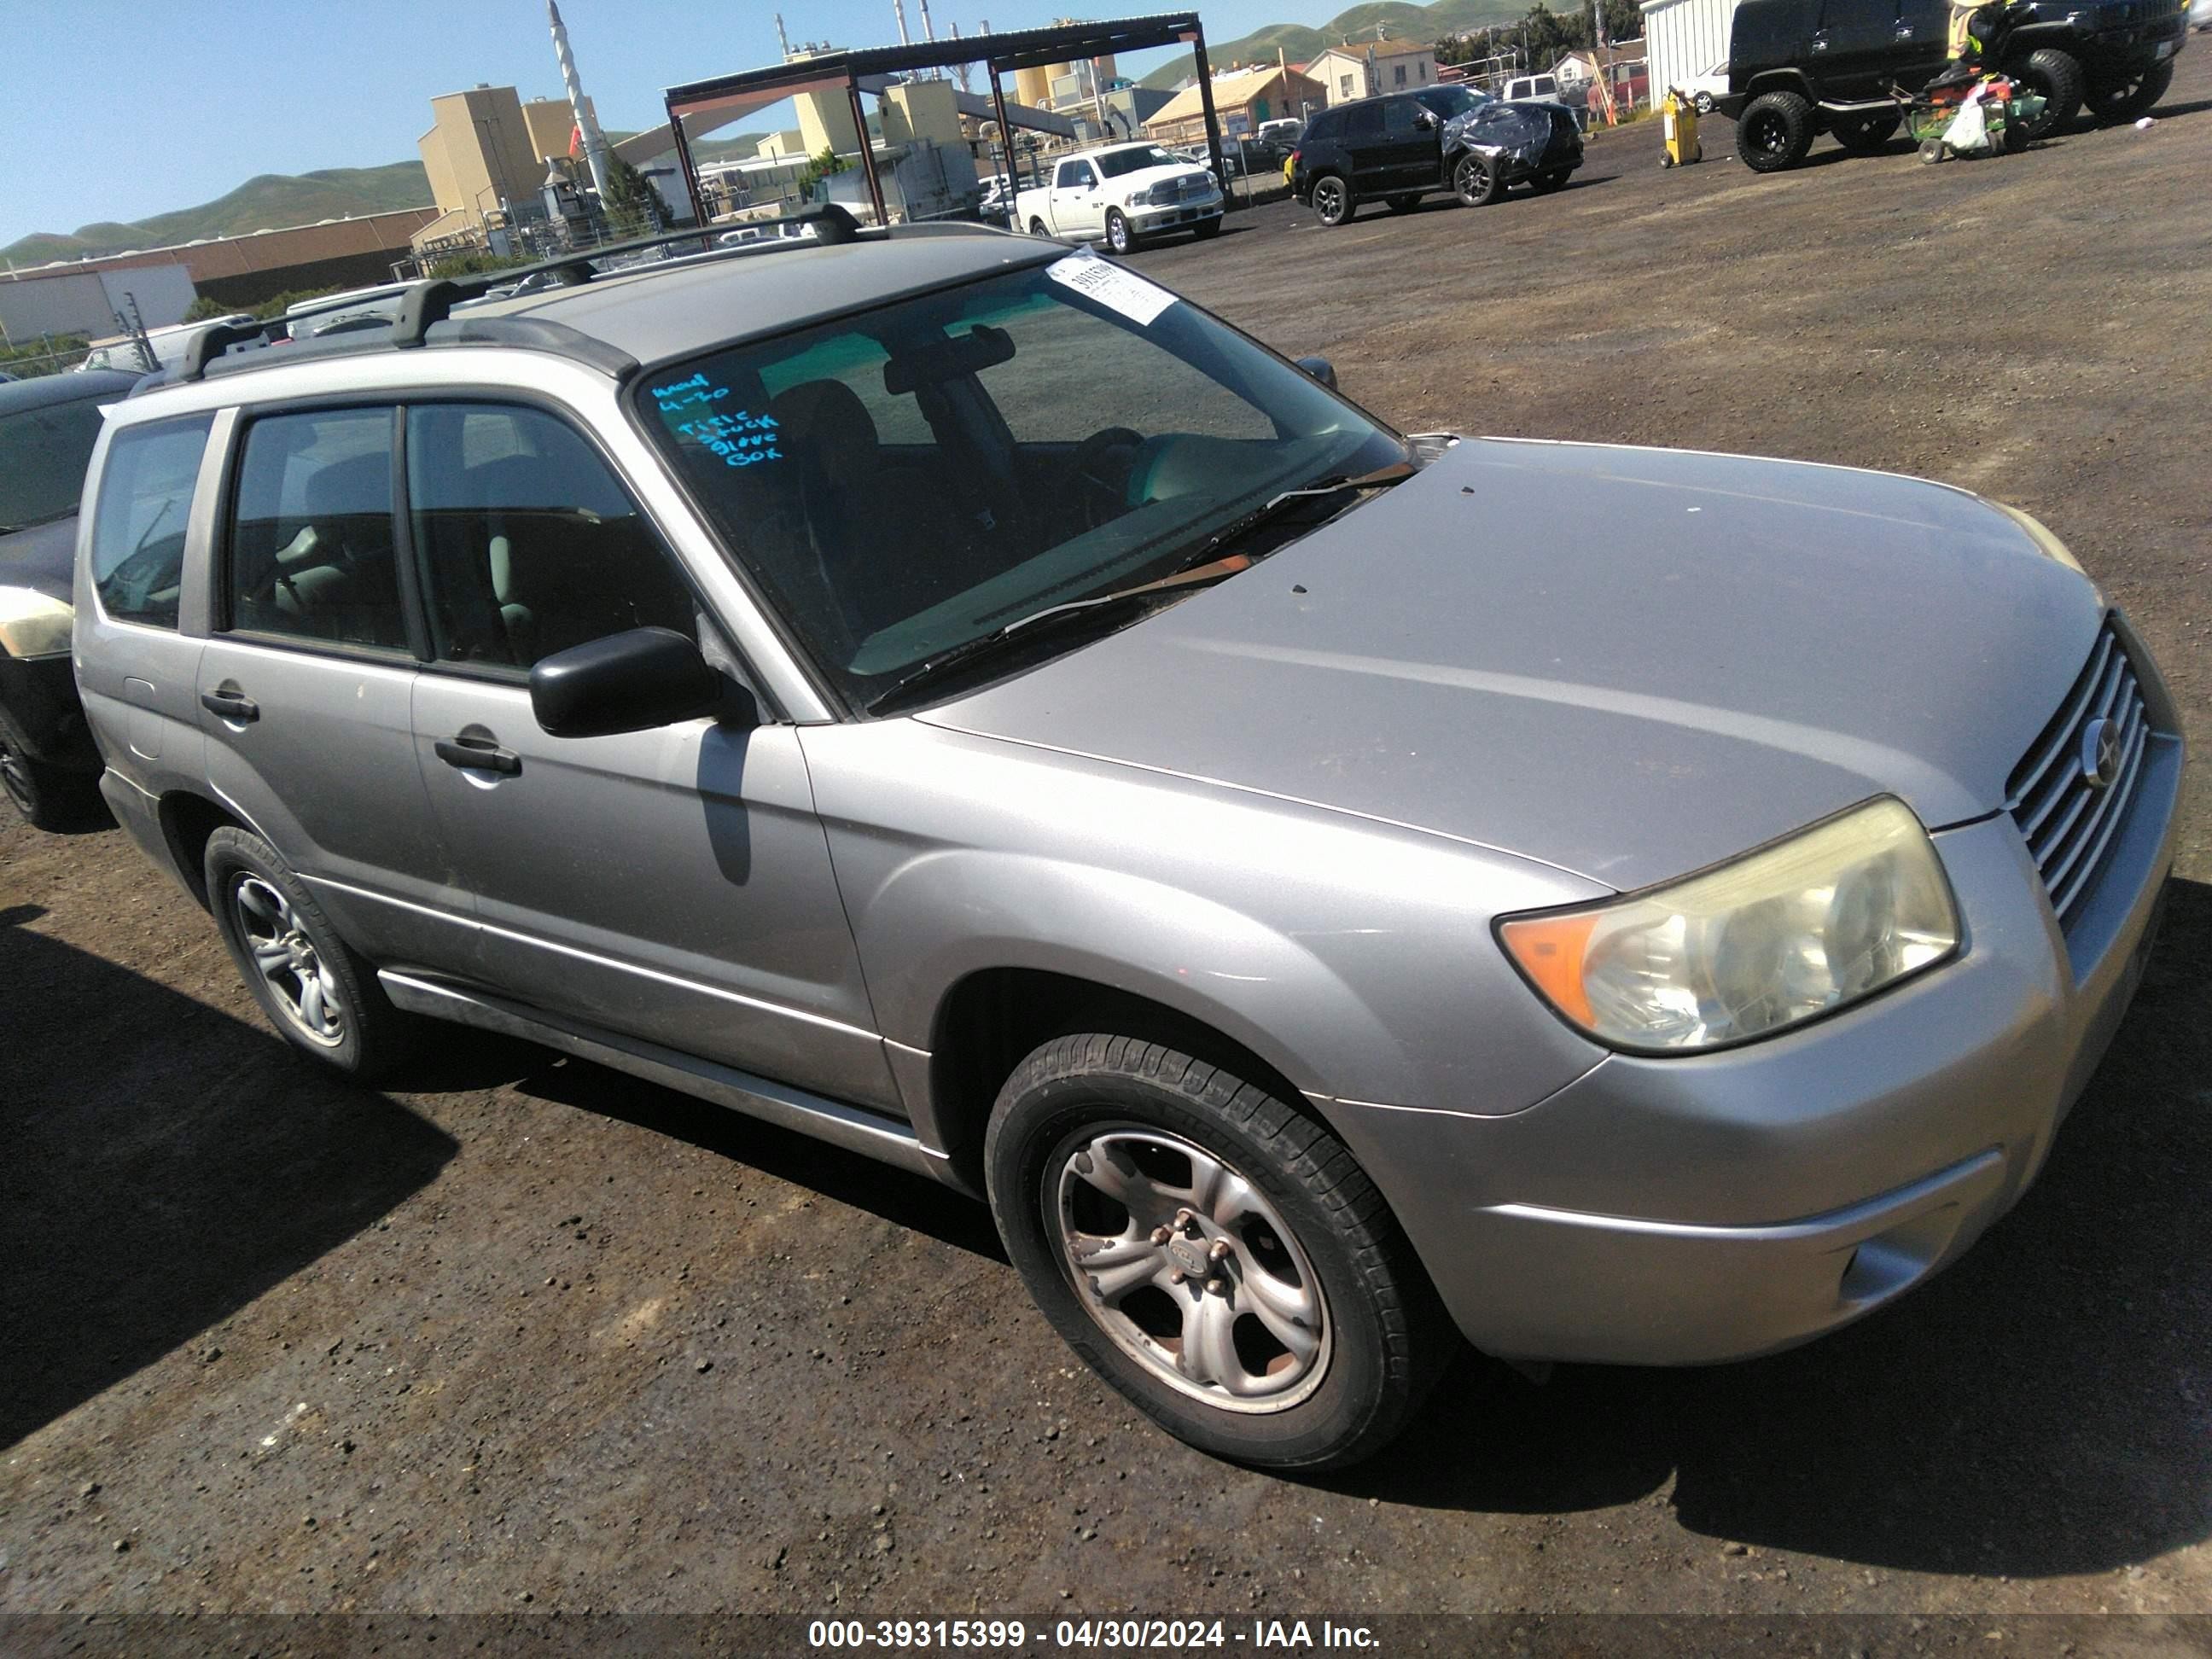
{"x": 1120, "y": 194}
{"x": 2200, "y": 14}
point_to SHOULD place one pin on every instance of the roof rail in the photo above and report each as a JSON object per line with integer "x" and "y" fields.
{"x": 432, "y": 301}
{"x": 214, "y": 340}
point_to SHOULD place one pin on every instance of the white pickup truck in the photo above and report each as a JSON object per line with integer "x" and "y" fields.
{"x": 1122, "y": 194}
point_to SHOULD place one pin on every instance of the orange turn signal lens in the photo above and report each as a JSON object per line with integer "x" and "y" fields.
{"x": 1550, "y": 951}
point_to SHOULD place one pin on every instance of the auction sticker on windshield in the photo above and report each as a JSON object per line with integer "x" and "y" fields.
{"x": 1111, "y": 286}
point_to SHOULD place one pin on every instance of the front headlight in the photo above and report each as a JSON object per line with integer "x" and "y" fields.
{"x": 31, "y": 625}
{"x": 1795, "y": 930}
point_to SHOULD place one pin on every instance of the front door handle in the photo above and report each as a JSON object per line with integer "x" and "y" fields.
{"x": 228, "y": 702}
{"x": 474, "y": 752}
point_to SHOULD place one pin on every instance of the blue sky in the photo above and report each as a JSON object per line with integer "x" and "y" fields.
{"x": 117, "y": 111}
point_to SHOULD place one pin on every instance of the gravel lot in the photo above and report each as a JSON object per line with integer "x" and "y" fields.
{"x": 526, "y": 1334}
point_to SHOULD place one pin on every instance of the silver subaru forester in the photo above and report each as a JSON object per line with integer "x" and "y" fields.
{"x": 951, "y": 696}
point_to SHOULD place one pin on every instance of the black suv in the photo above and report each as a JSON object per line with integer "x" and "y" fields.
{"x": 1800, "y": 68}
{"x": 1400, "y": 147}
{"x": 48, "y": 765}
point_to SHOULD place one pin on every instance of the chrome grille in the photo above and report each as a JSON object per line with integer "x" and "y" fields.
{"x": 2068, "y": 821}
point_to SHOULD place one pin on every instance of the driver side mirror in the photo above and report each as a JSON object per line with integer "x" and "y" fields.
{"x": 1425, "y": 120}
{"x": 628, "y": 682}
{"x": 1321, "y": 369}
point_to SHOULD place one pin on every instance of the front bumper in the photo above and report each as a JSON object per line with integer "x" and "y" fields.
{"x": 1179, "y": 214}
{"x": 1704, "y": 1208}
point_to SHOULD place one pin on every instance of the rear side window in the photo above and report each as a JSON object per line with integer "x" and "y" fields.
{"x": 138, "y": 521}
{"x": 311, "y": 550}
{"x": 528, "y": 545}
{"x": 1363, "y": 120}
{"x": 1323, "y": 125}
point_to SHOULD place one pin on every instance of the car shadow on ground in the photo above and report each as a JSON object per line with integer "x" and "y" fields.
{"x": 163, "y": 1174}
{"x": 2042, "y": 1407}
{"x": 911, "y": 1202}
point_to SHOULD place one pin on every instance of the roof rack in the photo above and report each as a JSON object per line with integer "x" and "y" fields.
{"x": 432, "y": 301}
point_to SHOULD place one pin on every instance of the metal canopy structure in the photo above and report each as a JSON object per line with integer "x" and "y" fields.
{"x": 701, "y": 106}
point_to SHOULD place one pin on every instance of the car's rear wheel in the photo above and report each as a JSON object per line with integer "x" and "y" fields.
{"x": 2057, "y": 78}
{"x": 1212, "y": 1252}
{"x": 322, "y": 998}
{"x": 2133, "y": 98}
{"x": 1774, "y": 131}
{"x": 1865, "y": 135}
{"x": 1477, "y": 181}
{"x": 1549, "y": 180}
{"x": 1036, "y": 229}
{"x": 1331, "y": 199}
{"x": 1405, "y": 203}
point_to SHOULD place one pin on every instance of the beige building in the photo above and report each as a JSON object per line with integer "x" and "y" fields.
{"x": 482, "y": 161}
{"x": 551, "y": 122}
{"x": 1242, "y": 99}
{"x": 1362, "y": 69}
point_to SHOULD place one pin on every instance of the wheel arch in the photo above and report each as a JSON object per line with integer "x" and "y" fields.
{"x": 1780, "y": 80}
{"x": 188, "y": 820}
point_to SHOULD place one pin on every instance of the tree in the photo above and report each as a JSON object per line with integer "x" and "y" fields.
{"x": 827, "y": 164}
{"x": 205, "y": 307}
{"x": 630, "y": 206}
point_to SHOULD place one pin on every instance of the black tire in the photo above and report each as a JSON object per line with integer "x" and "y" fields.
{"x": 1476, "y": 180}
{"x": 1119, "y": 236}
{"x": 1774, "y": 131}
{"x": 1866, "y": 134}
{"x": 1378, "y": 1334}
{"x": 1405, "y": 203}
{"x": 2057, "y": 76}
{"x": 1331, "y": 199}
{"x": 1036, "y": 229}
{"x": 370, "y": 1033}
{"x": 1206, "y": 229}
{"x": 2129, "y": 100}
{"x": 1555, "y": 178}
{"x": 51, "y": 798}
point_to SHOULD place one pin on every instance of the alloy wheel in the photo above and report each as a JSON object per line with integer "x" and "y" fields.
{"x": 1328, "y": 201}
{"x": 1178, "y": 1258}
{"x": 300, "y": 982}
{"x": 15, "y": 778}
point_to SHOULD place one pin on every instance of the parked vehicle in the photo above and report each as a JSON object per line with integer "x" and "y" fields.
{"x": 2200, "y": 15}
{"x": 48, "y": 426}
{"x": 1401, "y": 147}
{"x": 1531, "y": 86}
{"x": 122, "y": 354}
{"x": 1120, "y": 194}
{"x": 955, "y": 698}
{"x": 1800, "y": 68}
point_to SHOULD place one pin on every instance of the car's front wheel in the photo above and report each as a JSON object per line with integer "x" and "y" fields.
{"x": 1477, "y": 181}
{"x": 2057, "y": 78}
{"x": 1119, "y": 236}
{"x": 1774, "y": 131}
{"x": 322, "y": 998}
{"x": 49, "y": 796}
{"x": 1211, "y": 1251}
{"x": 1332, "y": 200}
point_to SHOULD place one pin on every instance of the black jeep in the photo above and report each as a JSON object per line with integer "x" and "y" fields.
{"x": 1799, "y": 68}
{"x": 1399, "y": 147}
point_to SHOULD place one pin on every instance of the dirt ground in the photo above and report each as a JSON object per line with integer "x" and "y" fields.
{"x": 525, "y": 1334}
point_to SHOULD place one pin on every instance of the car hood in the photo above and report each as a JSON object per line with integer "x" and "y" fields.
{"x": 1627, "y": 663}
{"x": 1145, "y": 177}
{"x": 40, "y": 557}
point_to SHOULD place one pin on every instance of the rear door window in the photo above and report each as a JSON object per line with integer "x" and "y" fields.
{"x": 312, "y": 553}
{"x": 1363, "y": 121}
{"x": 138, "y": 522}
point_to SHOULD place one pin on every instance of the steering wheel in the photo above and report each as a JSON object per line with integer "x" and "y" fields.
{"x": 1100, "y": 484}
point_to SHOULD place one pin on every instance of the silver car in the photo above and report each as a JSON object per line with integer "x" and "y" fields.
{"x": 955, "y": 697}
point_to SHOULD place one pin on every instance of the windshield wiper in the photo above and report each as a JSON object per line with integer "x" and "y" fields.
{"x": 1199, "y": 571}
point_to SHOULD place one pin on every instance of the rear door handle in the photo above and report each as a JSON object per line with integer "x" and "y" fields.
{"x": 477, "y": 754}
{"x": 228, "y": 702}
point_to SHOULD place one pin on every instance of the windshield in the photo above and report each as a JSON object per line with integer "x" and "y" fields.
{"x": 43, "y": 454}
{"x": 905, "y": 481}
{"x": 1449, "y": 101}
{"x": 1115, "y": 162}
